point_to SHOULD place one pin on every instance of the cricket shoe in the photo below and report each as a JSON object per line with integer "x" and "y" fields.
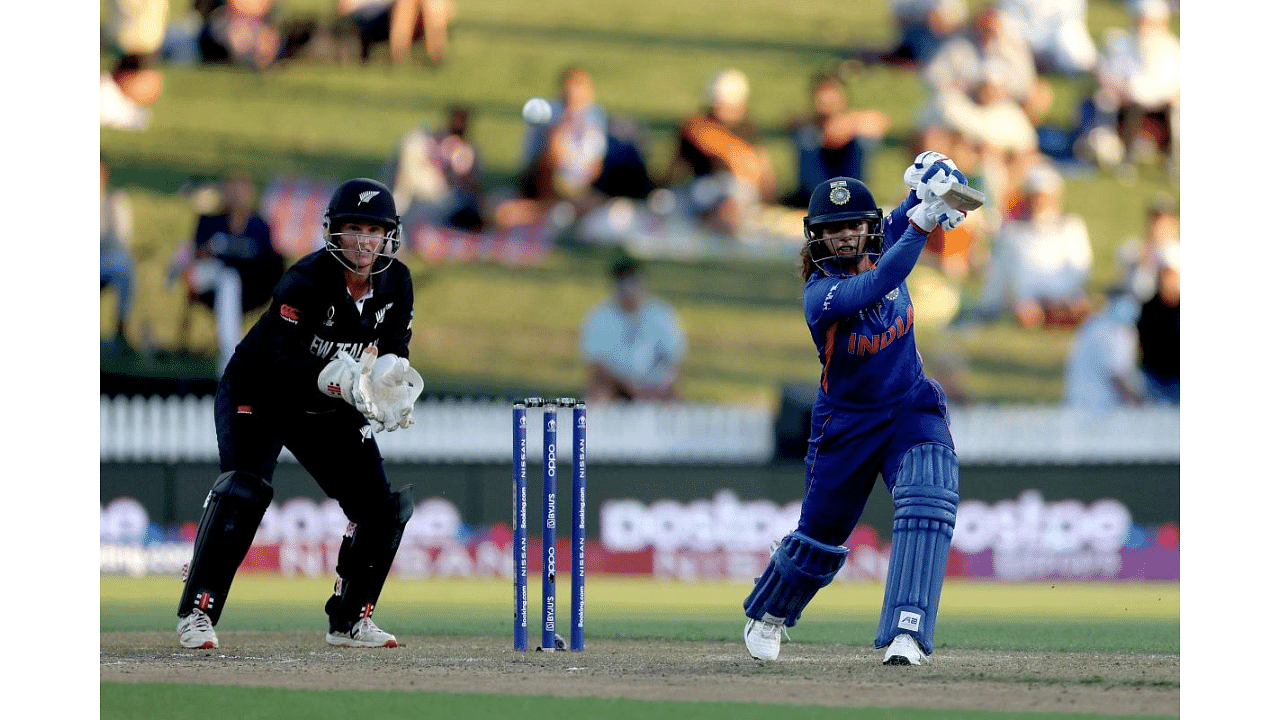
{"x": 904, "y": 650}
{"x": 764, "y": 637}
{"x": 195, "y": 631}
{"x": 364, "y": 634}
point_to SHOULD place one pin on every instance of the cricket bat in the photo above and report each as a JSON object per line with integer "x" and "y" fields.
{"x": 961, "y": 197}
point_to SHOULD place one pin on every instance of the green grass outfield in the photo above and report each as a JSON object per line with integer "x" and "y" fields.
{"x": 1050, "y": 617}
{"x": 1021, "y": 616}
{"x": 182, "y": 702}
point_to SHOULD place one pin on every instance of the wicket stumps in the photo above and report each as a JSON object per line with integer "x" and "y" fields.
{"x": 520, "y": 522}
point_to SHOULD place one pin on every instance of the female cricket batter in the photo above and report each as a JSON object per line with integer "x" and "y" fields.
{"x": 876, "y": 414}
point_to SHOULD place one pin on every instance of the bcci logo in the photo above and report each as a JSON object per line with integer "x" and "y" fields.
{"x": 839, "y": 193}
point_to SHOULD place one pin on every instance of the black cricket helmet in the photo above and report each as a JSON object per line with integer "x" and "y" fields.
{"x": 838, "y": 202}
{"x": 367, "y": 201}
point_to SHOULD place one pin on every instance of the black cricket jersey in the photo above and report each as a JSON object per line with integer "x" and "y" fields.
{"x": 311, "y": 318}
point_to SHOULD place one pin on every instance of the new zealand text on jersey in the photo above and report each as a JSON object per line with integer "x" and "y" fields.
{"x": 869, "y": 345}
{"x": 326, "y": 349}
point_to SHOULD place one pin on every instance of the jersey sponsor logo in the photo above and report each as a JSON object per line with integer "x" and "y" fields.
{"x": 871, "y": 344}
{"x": 289, "y": 313}
{"x": 893, "y": 295}
{"x": 244, "y": 409}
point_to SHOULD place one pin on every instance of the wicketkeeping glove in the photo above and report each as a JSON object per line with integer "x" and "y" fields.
{"x": 345, "y": 378}
{"x": 393, "y": 388}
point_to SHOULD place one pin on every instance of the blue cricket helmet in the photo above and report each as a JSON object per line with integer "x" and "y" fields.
{"x": 839, "y": 201}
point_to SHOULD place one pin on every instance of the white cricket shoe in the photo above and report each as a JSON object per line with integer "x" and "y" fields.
{"x": 763, "y": 637}
{"x": 904, "y": 650}
{"x": 364, "y": 634}
{"x": 195, "y": 631}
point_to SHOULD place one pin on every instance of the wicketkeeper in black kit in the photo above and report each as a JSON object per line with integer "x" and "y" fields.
{"x": 323, "y": 369}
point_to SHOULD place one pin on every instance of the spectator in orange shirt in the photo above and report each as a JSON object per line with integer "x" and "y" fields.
{"x": 721, "y": 172}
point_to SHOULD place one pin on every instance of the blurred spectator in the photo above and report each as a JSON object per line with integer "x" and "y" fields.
{"x": 834, "y": 139}
{"x": 1139, "y": 258}
{"x": 1056, "y": 32}
{"x": 983, "y": 103}
{"x": 1140, "y": 83}
{"x": 923, "y": 25}
{"x": 115, "y": 234}
{"x": 625, "y": 172}
{"x": 991, "y": 49}
{"x": 995, "y": 132}
{"x": 244, "y": 32}
{"x": 135, "y": 31}
{"x": 720, "y": 171}
{"x": 435, "y": 175}
{"x": 400, "y": 23}
{"x": 369, "y": 19}
{"x": 634, "y": 343}
{"x": 1159, "y": 332}
{"x": 426, "y": 19}
{"x": 1091, "y": 139}
{"x": 1102, "y": 365}
{"x": 565, "y": 144}
{"x": 231, "y": 266}
{"x": 1043, "y": 256}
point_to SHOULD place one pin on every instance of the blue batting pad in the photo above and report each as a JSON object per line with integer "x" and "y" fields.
{"x": 799, "y": 568}
{"x": 924, "y": 497}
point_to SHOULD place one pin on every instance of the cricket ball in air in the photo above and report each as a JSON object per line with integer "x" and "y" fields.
{"x": 537, "y": 111}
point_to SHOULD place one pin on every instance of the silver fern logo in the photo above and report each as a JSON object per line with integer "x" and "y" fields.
{"x": 368, "y": 195}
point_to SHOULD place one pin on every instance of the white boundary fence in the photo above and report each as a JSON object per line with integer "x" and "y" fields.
{"x": 178, "y": 429}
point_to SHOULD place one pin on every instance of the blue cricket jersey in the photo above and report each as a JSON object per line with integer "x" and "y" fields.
{"x": 863, "y": 325}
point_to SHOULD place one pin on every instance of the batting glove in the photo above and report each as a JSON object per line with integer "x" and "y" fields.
{"x": 923, "y": 162}
{"x": 938, "y": 177}
{"x": 934, "y": 212}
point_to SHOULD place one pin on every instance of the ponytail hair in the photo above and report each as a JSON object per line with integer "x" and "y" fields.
{"x": 804, "y": 264}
